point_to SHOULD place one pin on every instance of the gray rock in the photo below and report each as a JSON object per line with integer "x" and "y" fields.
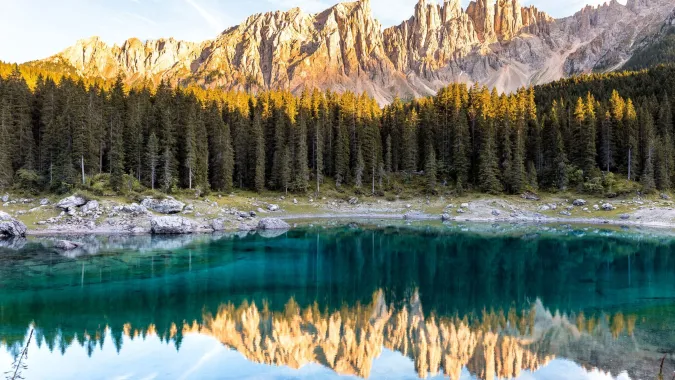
{"x": 465, "y": 205}
{"x": 624, "y": 216}
{"x": 596, "y": 207}
{"x": 496, "y": 213}
{"x": 544, "y": 208}
{"x": 66, "y": 245}
{"x": 90, "y": 206}
{"x": 665, "y": 196}
{"x": 565, "y": 213}
{"x": 171, "y": 225}
{"x": 445, "y": 217}
{"x": 579, "y": 202}
{"x": 261, "y": 211}
{"x": 168, "y": 205}
{"x": 252, "y": 214}
{"x": 295, "y": 201}
{"x": 10, "y": 227}
{"x": 413, "y": 215}
{"x": 134, "y": 209}
{"x": 272, "y": 224}
{"x": 353, "y": 200}
{"x": 273, "y": 207}
{"x": 607, "y": 207}
{"x": 530, "y": 196}
{"x": 70, "y": 202}
{"x": 5, "y": 198}
{"x": 460, "y": 211}
{"x": 219, "y": 224}
{"x": 44, "y": 202}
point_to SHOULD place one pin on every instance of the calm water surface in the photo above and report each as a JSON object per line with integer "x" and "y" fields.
{"x": 401, "y": 302}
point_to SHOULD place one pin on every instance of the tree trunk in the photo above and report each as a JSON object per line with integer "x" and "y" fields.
{"x": 629, "y": 162}
{"x": 82, "y": 166}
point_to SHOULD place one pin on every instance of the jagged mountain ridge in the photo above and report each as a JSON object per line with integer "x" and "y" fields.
{"x": 500, "y": 45}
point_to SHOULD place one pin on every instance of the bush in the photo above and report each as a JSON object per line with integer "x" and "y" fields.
{"x": 594, "y": 186}
{"x": 28, "y": 180}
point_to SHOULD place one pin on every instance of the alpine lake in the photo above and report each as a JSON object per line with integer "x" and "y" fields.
{"x": 375, "y": 300}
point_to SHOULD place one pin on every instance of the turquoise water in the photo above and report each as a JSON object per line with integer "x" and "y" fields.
{"x": 366, "y": 301}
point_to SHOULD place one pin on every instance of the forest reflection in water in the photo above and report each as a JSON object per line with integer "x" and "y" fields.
{"x": 493, "y": 302}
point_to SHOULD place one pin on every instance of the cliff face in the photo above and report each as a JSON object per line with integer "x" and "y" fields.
{"x": 344, "y": 48}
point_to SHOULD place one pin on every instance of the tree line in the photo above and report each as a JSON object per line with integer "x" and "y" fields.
{"x": 65, "y": 134}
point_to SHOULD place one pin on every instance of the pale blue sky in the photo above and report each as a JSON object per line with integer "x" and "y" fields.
{"x": 34, "y": 29}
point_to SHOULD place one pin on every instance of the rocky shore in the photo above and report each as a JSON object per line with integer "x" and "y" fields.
{"x": 77, "y": 215}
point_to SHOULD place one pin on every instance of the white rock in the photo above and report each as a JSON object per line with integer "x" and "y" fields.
{"x": 10, "y": 227}
{"x": 273, "y": 207}
{"x": 272, "y": 224}
{"x": 171, "y": 225}
{"x": 167, "y": 205}
{"x": 90, "y": 206}
{"x": 70, "y": 202}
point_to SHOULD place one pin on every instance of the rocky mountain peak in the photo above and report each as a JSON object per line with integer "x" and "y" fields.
{"x": 498, "y": 43}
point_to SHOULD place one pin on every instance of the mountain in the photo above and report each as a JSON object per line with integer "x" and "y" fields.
{"x": 502, "y": 45}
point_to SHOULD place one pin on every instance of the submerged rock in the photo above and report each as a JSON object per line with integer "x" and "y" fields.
{"x": 66, "y": 245}
{"x": 171, "y": 225}
{"x": 11, "y": 227}
{"x": 272, "y": 224}
{"x": 168, "y": 205}
{"x": 71, "y": 202}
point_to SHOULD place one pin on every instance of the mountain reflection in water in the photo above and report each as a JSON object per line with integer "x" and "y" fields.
{"x": 449, "y": 302}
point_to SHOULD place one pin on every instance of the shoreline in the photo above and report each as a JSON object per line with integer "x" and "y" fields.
{"x": 305, "y": 219}
{"x": 243, "y": 212}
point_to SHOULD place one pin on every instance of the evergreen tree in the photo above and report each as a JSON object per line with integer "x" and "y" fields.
{"x": 488, "y": 167}
{"x": 460, "y": 153}
{"x": 116, "y": 119}
{"x": 152, "y": 158}
{"x": 259, "y": 154}
{"x": 647, "y": 178}
{"x": 430, "y": 168}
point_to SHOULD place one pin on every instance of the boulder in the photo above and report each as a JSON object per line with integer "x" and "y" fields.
{"x": 353, "y": 200}
{"x": 272, "y": 224}
{"x": 544, "y": 208}
{"x": 90, "y": 206}
{"x": 44, "y": 202}
{"x": 5, "y": 198}
{"x": 413, "y": 215}
{"x": 219, "y": 224}
{"x": 134, "y": 209}
{"x": 10, "y": 227}
{"x": 168, "y": 205}
{"x": 579, "y": 202}
{"x": 272, "y": 207}
{"x": 71, "y": 202}
{"x": 565, "y": 213}
{"x": 607, "y": 207}
{"x": 465, "y": 205}
{"x": 496, "y": 213}
{"x": 66, "y": 245}
{"x": 624, "y": 216}
{"x": 171, "y": 225}
{"x": 445, "y": 217}
{"x": 530, "y": 196}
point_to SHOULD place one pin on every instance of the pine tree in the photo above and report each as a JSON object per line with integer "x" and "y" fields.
{"x": 300, "y": 168}
{"x": 647, "y": 178}
{"x": 116, "y": 120}
{"x": 152, "y": 158}
{"x": 221, "y": 155}
{"x": 409, "y": 155}
{"x": 460, "y": 153}
{"x": 259, "y": 153}
{"x": 488, "y": 168}
{"x": 631, "y": 135}
{"x": 430, "y": 168}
